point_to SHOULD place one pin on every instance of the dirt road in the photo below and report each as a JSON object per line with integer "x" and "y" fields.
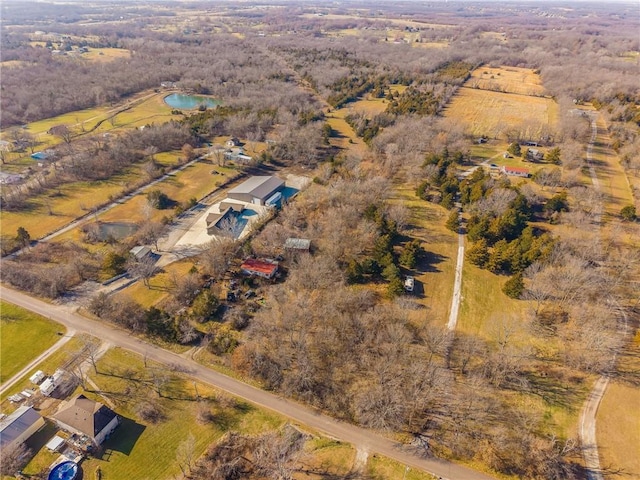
{"x": 359, "y": 437}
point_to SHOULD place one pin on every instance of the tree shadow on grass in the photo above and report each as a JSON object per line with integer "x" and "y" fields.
{"x": 428, "y": 261}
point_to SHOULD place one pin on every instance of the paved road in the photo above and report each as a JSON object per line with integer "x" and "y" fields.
{"x": 359, "y": 437}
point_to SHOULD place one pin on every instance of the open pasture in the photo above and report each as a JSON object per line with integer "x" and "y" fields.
{"x": 493, "y": 114}
{"x": 103, "y": 55}
{"x": 523, "y": 81}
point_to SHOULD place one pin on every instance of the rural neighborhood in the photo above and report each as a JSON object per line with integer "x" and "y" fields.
{"x": 303, "y": 241}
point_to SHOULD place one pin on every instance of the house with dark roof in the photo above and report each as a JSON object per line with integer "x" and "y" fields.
{"x": 259, "y": 268}
{"x": 83, "y": 416}
{"x": 257, "y": 189}
{"x": 19, "y": 426}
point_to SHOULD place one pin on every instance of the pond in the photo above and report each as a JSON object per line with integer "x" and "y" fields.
{"x": 189, "y": 102}
{"x": 116, "y": 230}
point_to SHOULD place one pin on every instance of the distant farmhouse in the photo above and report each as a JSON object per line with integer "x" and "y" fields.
{"x": 534, "y": 155}
{"x": 233, "y": 142}
{"x": 257, "y": 190}
{"x": 237, "y": 155}
{"x": 516, "y": 172}
{"x": 86, "y": 417}
{"x": 19, "y": 426}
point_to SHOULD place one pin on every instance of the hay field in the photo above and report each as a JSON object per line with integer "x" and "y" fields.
{"x": 523, "y": 81}
{"x": 618, "y": 430}
{"x": 489, "y": 113}
{"x": 106, "y": 54}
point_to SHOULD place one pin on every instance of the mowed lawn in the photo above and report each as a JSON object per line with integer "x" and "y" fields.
{"x": 56, "y": 360}
{"x": 489, "y": 113}
{"x": 160, "y": 285}
{"x": 106, "y": 54}
{"x": 484, "y": 304}
{"x": 23, "y": 336}
{"x": 195, "y": 181}
{"x": 618, "y": 418}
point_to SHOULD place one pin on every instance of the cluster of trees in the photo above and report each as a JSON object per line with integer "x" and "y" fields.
{"x": 442, "y": 184}
{"x": 236, "y": 456}
{"x": 382, "y": 262}
{"x": 51, "y": 269}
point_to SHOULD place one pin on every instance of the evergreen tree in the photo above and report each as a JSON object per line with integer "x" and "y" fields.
{"x": 514, "y": 286}
{"x": 452, "y": 222}
{"x": 514, "y": 149}
{"x": 478, "y": 253}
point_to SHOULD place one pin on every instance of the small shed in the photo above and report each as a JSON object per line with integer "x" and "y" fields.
{"x": 140, "y": 252}
{"x": 55, "y": 444}
{"x": 297, "y": 244}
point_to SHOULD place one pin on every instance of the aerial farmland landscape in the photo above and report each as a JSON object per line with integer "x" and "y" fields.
{"x": 298, "y": 240}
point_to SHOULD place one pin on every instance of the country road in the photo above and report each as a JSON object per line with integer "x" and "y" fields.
{"x": 359, "y": 437}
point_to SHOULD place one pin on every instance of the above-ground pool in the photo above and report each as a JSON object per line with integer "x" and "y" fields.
{"x": 64, "y": 471}
{"x": 189, "y": 102}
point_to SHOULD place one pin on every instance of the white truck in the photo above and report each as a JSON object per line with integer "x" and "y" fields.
{"x": 409, "y": 282}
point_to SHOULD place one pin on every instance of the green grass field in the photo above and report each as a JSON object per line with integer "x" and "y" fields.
{"x": 23, "y": 336}
{"x": 56, "y": 360}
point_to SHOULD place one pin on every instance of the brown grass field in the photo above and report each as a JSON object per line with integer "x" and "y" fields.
{"x": 489, "y": 113}
{"x": 435, "y": 277}
{"x": 65, "y": 204}
{"x": 618, "y": 430}
{"x": 160, "y": 285}
{"x": 523, "y": 81}
{"x": 613, "y": 179}
{"x": 103, "y": 55}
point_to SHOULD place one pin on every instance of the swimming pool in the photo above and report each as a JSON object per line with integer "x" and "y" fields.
{"x": 64, "y": 471}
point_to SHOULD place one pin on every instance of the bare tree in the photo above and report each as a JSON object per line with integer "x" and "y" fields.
{"x": 185, "y": 454}
{"x": 144, "y": 268}
{"x": 13, "y": 458}
{"x": 61, "y": 131}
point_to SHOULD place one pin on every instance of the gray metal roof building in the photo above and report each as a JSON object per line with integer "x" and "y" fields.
{"x": 256, "y": 189}
{"x": 19, "y": 426}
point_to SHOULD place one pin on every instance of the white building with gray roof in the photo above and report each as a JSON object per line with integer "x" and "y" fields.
{"x": 256, "y": 190}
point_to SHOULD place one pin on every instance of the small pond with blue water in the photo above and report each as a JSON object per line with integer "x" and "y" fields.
{"x": 189, "y": 102}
